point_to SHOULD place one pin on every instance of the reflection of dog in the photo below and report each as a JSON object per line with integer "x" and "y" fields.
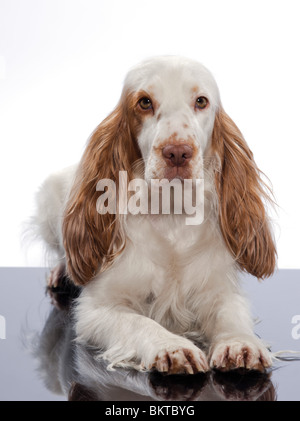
{"x": 75, "y": 370}
{"x": 158, "y": 293}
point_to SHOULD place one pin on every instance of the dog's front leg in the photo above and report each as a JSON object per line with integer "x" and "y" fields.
{"x": 129, "y": 339}
{"x": 233, "y": 342}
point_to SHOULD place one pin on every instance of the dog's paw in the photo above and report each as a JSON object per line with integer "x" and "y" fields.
{"x": 232, "y": 354}
{"x": 180, "y": 360}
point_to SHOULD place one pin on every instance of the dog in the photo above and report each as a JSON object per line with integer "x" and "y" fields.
{"x": 74, "y": 370}
{"x": 158, "y": 292}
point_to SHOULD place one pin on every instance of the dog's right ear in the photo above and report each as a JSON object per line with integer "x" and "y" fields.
{"x": 91, "y": 240}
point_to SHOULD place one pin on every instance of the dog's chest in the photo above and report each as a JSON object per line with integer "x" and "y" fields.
{"x": 166, "y": 246}
{"x": 168, "y": 234}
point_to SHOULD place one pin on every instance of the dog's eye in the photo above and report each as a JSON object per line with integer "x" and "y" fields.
{"x": 201, "y": 102}
{"x": 145, "y": 103}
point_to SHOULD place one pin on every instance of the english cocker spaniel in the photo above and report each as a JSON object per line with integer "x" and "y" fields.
{"x": 160, "y": 288}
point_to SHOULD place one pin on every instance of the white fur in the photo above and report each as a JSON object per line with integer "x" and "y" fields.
{"x": 175, "y": 83}
{"x": 175, "y": 287}
{"x": 50, "y": 202}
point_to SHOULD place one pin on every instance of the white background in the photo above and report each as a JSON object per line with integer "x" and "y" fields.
{"x": 62, "y": 64}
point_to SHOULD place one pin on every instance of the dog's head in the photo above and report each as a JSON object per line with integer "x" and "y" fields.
{"x": 170, "y": 122}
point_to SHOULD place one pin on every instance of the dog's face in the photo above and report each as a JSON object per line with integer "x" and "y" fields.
{"x": 175, "y": 103}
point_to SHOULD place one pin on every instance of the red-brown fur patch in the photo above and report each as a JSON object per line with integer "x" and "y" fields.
{"x": 241, "y": 191}
{"x": 92, "y": 240}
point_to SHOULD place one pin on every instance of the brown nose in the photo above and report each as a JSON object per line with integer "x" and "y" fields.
{"x": 177, "y": 155}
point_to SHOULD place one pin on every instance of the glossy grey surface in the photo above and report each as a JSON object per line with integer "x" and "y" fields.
{"x": 31, "y": 369}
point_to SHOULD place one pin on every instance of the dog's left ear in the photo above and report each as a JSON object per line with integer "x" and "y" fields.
{"x": 242, "y": 196}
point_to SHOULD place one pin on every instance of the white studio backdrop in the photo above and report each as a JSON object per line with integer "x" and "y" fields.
{"x": 62, "y": 64}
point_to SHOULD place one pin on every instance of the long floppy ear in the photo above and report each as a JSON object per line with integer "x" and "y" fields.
{"x": 242, "y": 197}
{"x": 91, "y": 240}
